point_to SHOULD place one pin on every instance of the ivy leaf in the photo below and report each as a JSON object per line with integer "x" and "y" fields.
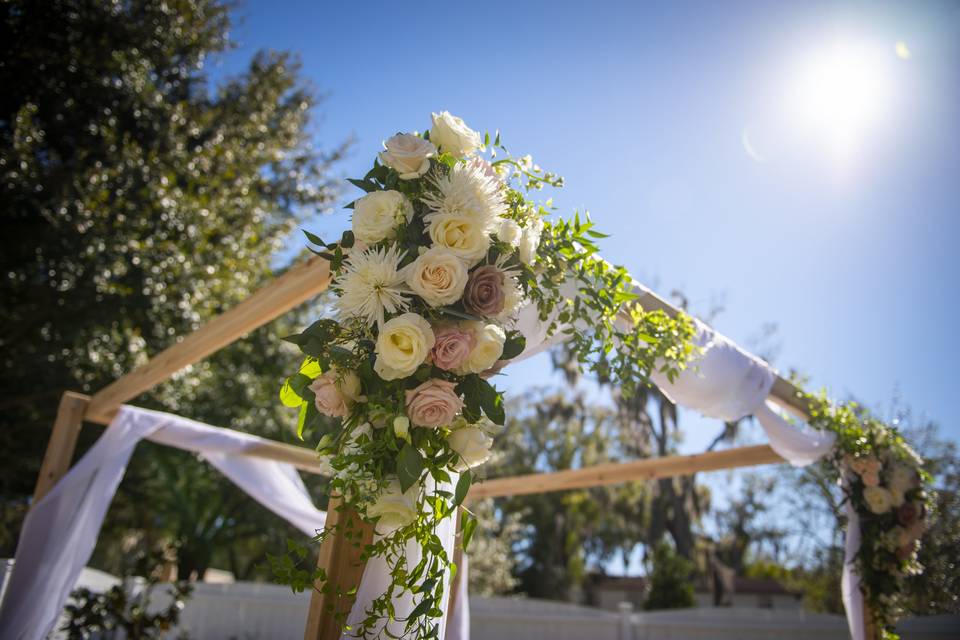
{"x": 463, "y": 486}
{"x": 420, "y": 609}
{"x": 409, "y": 466}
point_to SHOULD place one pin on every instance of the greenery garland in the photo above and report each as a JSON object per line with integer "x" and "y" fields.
{"x": 445, "y": 250}
{"x": 889, "y": 492}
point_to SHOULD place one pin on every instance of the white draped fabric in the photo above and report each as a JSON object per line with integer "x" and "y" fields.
{"x": 61, "y": 530}
{"x": 727, "y": 383}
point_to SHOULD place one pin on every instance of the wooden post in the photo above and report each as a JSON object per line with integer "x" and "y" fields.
{"x": 457, "y": 560}
{"x": 340, "y": 557}
{"x": 62, "y": 443}
{"x": 870, "y": 631}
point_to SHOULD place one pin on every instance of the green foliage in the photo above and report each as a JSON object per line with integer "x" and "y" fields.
{"x": 670, "y": 585}
{"x": 137, "y": 202}
{"x": 118, "y": 611}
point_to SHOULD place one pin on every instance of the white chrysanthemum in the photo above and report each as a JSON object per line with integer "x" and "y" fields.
{"x": 469, "y": 192}
{"x": 372, "y": 284}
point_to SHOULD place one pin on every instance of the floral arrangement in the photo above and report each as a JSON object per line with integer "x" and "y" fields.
{"x": 887, "y": 490}
{"x": 444, "y": 251}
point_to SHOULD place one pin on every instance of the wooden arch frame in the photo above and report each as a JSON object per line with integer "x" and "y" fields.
{"x": 340, "y": 557}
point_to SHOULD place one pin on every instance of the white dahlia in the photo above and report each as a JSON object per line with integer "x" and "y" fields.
{"x": 372, "y": 284}
{"x": 468, "y": 191}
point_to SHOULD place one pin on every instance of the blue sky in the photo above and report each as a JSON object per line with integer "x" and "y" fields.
{"x": 788, "y": 159}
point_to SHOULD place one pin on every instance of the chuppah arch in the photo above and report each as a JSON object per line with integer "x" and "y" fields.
{"x": 341, "y": 557}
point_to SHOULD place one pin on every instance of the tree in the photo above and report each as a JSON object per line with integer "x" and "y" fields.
{"x": 670, "y": 585}
{"x": 491, "y": 556}
{"x": 565, "y": 532}
{"x": 138, "y": 201}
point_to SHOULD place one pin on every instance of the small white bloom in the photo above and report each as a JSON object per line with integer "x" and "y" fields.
{"x": 464, "y": 236}
{"x": 402, "y": 346}
{"x": 489, "y": 347}
{"x": 452, "y": 136}
{"x": 401, "y": 427}
{"x": 438, "y": 276}
{"x": 408, "y": 155}
{"x": 530, "y": 240}
{"x": 472, "y": 444}
{"x": 394, "y": 507}
{"x": 509, "y": 232}
{"x": 371, "y": 285}
{"x": 377, "y": 215}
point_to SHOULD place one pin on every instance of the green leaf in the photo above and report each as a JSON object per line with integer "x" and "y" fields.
{"x": 315, "y": 239}
{"x": 491, "y": 401}
{"x": 347, "y": 240}
{"x": 409, "y": 466}
{"x": 469, "y": 526}
{"x": 514, "y": 346}
{"x": 463, "y": 486}
{"x": 458, "y": 313}
{"x": 361, "y": 184}
{"x": 421, "y": 609}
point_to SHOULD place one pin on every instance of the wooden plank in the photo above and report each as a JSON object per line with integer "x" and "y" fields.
{"x": 618, "y": 472}
{"x": 62, "y": 443}
{"x": 341, "y": 557}
{"x": 297, "y": 285}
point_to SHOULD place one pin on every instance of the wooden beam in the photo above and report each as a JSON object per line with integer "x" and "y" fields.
{"x": 341, "y": 557}
{"x": 297, "y": 285}
{"x": 62, "y": 443}
{"x": 618, "y": 472}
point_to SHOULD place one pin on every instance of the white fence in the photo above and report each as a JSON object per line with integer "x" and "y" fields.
{"x": 256, "y": 611}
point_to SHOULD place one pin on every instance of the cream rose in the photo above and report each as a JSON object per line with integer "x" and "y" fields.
{"x": 472, "y": 444}
{"x": 334, "y": 397}
{"x": 530, "y": 240}
{"x": 490, "y": 340}
{"x": 465, "y": 236}
{"x": 394, "y": 507}
{"x": 408, "y": 155}
{"x": 878, "y": 499}
{"x": 901, "y": 477}
{"x": 509, "y": 232}
{"x": 376, "y": 215}
{"x": 452, "y": 136}
{"x": 438, "y": 276}
{"x": 402, "y": 346}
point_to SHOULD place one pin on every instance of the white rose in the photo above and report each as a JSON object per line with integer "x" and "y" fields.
{"x": 464, "y": 236}
{"x": 901, "y": 477}
{"x": 452, "y": 136}
{"x": 530, "y": 240}
{"x": 472, "y": 445}
{"x": 438, "y": 276}
{"x": 509, "y": 232}
{"x": 376, "y": 215}
{"x": 402, "y": 346}
{"x": 489, "y": 348}
{"x": 878, "y": 499}
{"x": 393, "y": 507}
{"x": 408, "y": 155}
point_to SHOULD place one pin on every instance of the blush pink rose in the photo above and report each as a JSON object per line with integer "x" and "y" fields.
{"x": 871, "y": 478}
{"x": 433, "y": 404}
{"x": 452, "y": 347}
{"x": 334, "y": 397}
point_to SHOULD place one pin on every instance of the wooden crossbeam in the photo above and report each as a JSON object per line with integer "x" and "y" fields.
{"x": 618, "y": 472}
{"x": 297, "y": 285}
